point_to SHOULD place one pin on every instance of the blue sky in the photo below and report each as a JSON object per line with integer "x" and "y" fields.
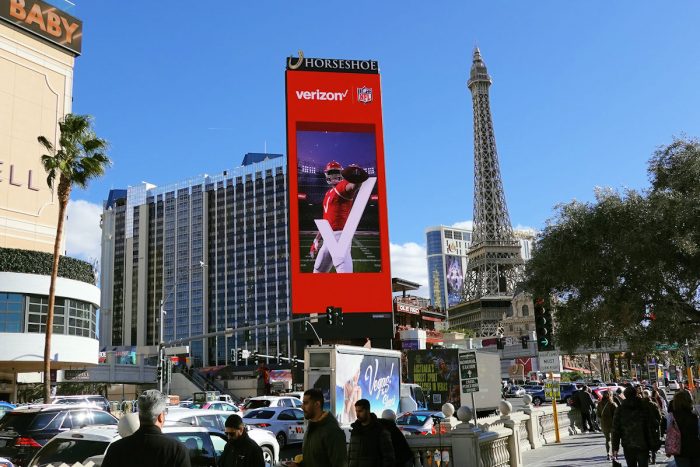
{"x": 583, "y": 92}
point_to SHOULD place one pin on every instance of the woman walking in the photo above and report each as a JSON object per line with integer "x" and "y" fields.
{"x": 605, "y": 412}
{"x": 687, "y": 422}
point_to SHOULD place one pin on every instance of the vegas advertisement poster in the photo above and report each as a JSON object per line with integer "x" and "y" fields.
{"x": 339, "y": 243}
{"x": 437, "y": 372}
{"x": 371, "y": 377}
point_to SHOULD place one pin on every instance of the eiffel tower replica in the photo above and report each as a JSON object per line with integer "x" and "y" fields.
{"x": 494, "y": 261}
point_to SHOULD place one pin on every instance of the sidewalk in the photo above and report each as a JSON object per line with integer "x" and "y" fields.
{"x": 583, "y": 450}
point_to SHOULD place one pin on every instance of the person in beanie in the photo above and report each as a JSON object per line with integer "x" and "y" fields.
{"x": 403, "y": 456}
{"x": 147, "y": 446}
{"x": 370, "y": 443}
{"x": 240, "y": 450}
{"x": 632, "y": 428}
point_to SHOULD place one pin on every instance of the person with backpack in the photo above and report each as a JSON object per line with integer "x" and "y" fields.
{"x": 632, "y": 428}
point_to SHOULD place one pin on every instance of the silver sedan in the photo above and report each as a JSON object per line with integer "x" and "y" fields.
{"x": 287, "y": 424}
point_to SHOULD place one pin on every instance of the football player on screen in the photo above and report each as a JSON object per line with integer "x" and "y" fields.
{"x": 337, "y": 204}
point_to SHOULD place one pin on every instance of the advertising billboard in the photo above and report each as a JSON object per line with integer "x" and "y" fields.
{"x": 437, "y": 372}
{"x": 454, "y": 276}
{"x": 372, "y": 377}
{"x": 339, "y": 244}
{"x": 45, "y": 20}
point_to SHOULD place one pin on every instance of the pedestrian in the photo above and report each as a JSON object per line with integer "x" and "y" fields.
{"x": 688, "y": 425}
{"x": 324, "y": 441}
{"x": 148, "y": 447}
{"x": 632, "y": 429}
{"x": 654, "y": 413}
{"x": 618, "y": 397}
{"x": 594, "y": 404}
{"x": 585, "y": 405}
{"x": 403, "y": 456}
{"x": 606, "y": 412}
{"x": 240, "y": 450}
{"x": 370, "y": 443}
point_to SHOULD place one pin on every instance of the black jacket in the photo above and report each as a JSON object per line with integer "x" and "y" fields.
{"x": 370, "y": 445}
{"x": 402, "y": 451}
{"x": 632, "y": 426}
{"x": 242, "y": 452}
{"x": 147, "y": 447}
{"x": 688, "y": 425}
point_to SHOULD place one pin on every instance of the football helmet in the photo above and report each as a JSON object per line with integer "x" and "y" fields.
{"x": 332, "y": 172}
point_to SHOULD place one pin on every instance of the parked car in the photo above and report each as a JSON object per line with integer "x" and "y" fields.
{"x": 566, "y": 390}
{"x": 673, "y": 385}
{"x": 214, "y": 421}
{"x": 5, "y": 407}
{"x": 217, "y": 405}
{"x": 271, "y": 401}
{"x": 286, "y": 424}
{"x": 419, "y": 422}
{"x": 99, "y": 401}
{"x": 515, "y": 391}
{"x": 90, "y": 444}
{"x": 24, "y": 430}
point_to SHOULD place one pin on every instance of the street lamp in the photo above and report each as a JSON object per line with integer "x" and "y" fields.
{"x": 161, "y": 343}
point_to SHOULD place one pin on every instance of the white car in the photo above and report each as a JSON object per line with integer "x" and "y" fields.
{"x": 214, "y": 420}
{"x": 673, "y": 385}
{"x": 287, "y": 424}
{"x": 91, "y": 443}
{"x": 262, "y": 402}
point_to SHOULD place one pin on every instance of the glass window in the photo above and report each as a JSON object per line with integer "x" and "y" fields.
{"x": 69, "y": 451}
{"x": 286, "y": 415}
{"x": 209, "y": 421}
{"x": 11, "y": 312}
{"x": 526, "y": 310}
{"x": 103, "y": 418}
{"x": 260, "y": 414}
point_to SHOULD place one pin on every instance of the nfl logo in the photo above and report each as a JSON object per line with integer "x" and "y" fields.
{"x": 364, "y": 95}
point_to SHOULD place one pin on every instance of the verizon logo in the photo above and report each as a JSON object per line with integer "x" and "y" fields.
{"x": 319, "y": 95}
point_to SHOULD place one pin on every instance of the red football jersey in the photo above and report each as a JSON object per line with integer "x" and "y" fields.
{"x": 337, "y": 204}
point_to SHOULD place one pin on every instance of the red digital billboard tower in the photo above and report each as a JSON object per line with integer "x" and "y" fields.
{"x": 339, "y": 242}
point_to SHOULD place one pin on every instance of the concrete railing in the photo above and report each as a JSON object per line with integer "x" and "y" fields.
{"x": 496, "y": 441}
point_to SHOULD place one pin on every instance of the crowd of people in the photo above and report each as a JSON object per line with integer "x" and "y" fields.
{"x": 642, "y": 420}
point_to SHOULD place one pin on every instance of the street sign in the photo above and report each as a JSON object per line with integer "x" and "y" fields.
{"x": 181, "y": 350}
{"x": 468, "y": 372}
{"x": 551, "y": 389}
{"x": 673, "y": 346}
{"x": 549, "y": 361}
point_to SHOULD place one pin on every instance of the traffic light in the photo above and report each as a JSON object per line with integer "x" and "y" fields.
{"x": 524, "y": 340}
{"x": 294, "y": 361}
{"x": 543, "y": 324}
{"x": 239, "y": 355}
{"x": 246, "y": 334}
{"x": 338, "y": 316}
{"x": 159, "y": 373}
{"x": 330, "y": 315}
{"x": 279, "y": 358}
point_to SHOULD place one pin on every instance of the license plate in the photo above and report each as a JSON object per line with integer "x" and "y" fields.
{"x": 3, "y": 443}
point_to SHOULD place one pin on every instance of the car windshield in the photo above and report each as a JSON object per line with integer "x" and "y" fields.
{"x": 71, "y": 400}
{"x": 257, "y": 403}
{"x": 260, "y": 414}
{"x": 68, "y": 451}
{"x": 412, "y": 419}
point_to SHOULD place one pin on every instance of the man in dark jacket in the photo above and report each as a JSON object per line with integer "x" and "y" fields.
{"x": 585, "y": 405}
{"x": 632, "y": 427}
{"x": 240, "y": 450}
{"x": 324, "y": 441}
{"x": 148, "y": 447}
{"x": 403, "y": 456}
{"x": 370, "y": 443}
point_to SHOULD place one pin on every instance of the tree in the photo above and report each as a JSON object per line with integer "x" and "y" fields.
{"x": 80, "y": 156}
{"x": 626, "y": 266}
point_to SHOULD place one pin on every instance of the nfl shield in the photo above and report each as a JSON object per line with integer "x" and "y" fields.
{"x": 364, "y": 95}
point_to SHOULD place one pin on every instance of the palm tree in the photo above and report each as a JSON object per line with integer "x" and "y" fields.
{"x": 80, "y": 157}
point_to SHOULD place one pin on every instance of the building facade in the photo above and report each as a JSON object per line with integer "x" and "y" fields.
{"x": 447, "y": 249}
{"x": 213, "y": 249}
{"x": 36, "y": 89}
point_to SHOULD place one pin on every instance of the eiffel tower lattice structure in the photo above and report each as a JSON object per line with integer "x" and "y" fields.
{"x": 494, "y": 261}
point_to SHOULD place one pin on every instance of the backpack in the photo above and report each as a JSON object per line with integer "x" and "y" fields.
{"x": 673, "y": 438}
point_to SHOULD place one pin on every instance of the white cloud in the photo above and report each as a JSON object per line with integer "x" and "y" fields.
{"x": 83, "y": 234}
{"x": 466, "y": 225}
{"x": 408, "y": 261}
